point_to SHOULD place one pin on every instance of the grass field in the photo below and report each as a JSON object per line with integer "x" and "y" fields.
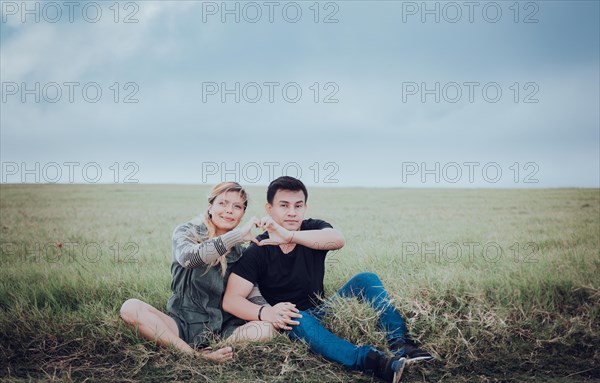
{"x": 502, "y": 285}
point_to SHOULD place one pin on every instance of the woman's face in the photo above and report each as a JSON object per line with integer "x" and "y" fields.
{"x": 227, "y": 211}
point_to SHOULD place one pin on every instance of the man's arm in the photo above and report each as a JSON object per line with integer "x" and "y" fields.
{"x": 256, "y": 297}
{"x": 234, "y": 302}
{"x": 321, "y": 239}
{"x": 324, "y": 239}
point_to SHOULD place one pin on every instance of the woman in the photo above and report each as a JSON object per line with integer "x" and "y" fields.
{"x": 203, "y": 255}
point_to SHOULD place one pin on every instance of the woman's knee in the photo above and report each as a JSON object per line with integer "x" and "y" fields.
{"x": 130, "y": 310}
{"x": 258, "y": 331}
{"x": 254, "y": 331}
{"x": 267, "y": 331}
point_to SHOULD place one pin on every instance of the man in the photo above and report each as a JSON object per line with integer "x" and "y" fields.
{"x": 289, "y": 266}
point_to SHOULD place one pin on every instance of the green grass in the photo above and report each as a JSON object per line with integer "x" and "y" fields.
{"x": 71, "y": 254}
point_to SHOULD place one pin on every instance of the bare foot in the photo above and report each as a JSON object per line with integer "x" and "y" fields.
{"x": 222, "y": 355}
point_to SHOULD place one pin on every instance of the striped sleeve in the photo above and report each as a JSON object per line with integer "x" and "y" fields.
{"x": 190, "y": 253}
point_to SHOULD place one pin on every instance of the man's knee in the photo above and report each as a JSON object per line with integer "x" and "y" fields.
{"x": 306, "y": 319}
{"x": 305, "y": 327}
{"x": 365, "y": 279}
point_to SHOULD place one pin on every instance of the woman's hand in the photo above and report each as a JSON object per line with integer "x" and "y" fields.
{"x": 247, "y": 235}
{"x": 282, "y": 315}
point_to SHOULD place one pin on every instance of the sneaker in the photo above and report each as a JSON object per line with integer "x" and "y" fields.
{"x": 388, "y": 368}
{"x": 409, "y": 349}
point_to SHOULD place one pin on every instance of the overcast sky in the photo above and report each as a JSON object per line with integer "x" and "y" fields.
{"x": 343, "y": 93}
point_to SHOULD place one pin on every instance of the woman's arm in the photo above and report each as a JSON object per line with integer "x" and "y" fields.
{"x": 190, "y": 253}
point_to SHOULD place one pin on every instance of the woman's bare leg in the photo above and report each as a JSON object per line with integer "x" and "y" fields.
{"x": 254, "y": 331}
{"x": 158, "y": 327}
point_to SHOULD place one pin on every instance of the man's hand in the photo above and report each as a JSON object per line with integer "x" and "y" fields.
{"x": 281, "y": 315}
{"x": 278, "y": 235}
{"x": 246, "y": 230}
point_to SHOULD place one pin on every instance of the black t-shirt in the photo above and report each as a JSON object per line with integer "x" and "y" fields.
{"x": 295, "y": 277}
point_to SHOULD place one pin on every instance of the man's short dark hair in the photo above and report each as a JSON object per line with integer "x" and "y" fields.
{"x": 285, "y": 183}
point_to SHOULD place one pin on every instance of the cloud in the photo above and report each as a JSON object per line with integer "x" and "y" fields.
{"x": 367, "y": 57}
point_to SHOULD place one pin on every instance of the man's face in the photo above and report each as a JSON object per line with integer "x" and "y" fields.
{"x": 288, "y": 208}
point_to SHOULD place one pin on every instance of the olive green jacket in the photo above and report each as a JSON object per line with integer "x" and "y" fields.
{"x": 198, "y": 289}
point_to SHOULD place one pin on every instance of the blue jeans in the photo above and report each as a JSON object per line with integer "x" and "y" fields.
{"x": 368, "y": 288}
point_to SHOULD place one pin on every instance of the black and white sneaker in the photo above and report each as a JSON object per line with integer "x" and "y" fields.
{"x": 410, "y": 350}
{"x": 388, "y": 368}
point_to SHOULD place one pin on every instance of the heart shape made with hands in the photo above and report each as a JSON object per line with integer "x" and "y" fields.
{"x": 277, "y": 234}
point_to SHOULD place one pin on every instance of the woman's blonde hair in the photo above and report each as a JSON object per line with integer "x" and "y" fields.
{"x": 223, "y": 187}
